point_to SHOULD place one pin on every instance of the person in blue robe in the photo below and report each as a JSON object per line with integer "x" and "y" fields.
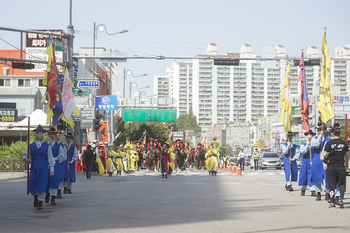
{"x": 72, "y": 156}
{"x": 291, "y": 153}
{"x": 40, "y": 157}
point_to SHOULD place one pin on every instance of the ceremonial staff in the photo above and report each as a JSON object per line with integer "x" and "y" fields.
{"x": 28, "y": 153}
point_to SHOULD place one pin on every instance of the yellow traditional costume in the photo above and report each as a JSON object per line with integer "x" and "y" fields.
{"x": 212, "y": 158}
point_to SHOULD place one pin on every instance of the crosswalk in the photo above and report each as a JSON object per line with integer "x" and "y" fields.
{"x": 205, "y": 173}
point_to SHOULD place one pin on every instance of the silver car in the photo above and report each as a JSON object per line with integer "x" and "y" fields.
{"x": 270, "y": 160}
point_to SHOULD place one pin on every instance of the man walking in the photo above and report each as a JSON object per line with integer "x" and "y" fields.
{"x": 334, "y": 158}
{"x": 241, "y": 161}
{"x": 72, "y": 156}
{"x": 89, "y": 161}
{"x": 290, "y": 152}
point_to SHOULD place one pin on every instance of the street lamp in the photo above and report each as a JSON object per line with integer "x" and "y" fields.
{"x": 101, "y": 27}
{"x": 129, "y": 72}
{"x": 135, "y": 85}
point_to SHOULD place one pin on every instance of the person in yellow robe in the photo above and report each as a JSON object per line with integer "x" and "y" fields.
{"x": 212, "y": 158}
{"x": 172, "y": 157}
{"x": 111, "y": 164}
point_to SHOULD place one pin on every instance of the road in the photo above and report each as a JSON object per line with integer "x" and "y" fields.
{"x": 190, "y": 201}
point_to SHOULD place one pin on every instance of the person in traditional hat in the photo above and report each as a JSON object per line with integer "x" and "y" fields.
{"x": 290, "y": 152}
{"x": 212, "y": 158}
{"x": 59, "y": 157}
{"x": 72, "y": 156}
{"x": 138, "y": 146}
{"x": 103, "y": 156}
{"x": 158, "y": 145}
{"x": 151, "y": 144}
{"x": 200, "y": 147}
{"x": 165, "y": 160}
{"x": 63, "y": 165}
{"x": 41, "y": 159}
{"x": 305, "y": 172}
{"x": 178, "y": 144}
{"x": 317, "y": 164}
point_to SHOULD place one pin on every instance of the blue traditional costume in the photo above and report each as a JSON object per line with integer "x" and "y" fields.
{"x": 41, "y": 159}
{"x": 290, "y": 152}
{"x": 72, "y": 156}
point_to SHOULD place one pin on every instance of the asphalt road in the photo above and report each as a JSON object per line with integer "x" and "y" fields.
{"x": 190, "y": 201}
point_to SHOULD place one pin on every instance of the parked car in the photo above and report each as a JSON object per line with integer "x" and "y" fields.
{"x": 270, "y": 160}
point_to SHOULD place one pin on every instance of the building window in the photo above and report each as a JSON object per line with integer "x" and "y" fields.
{"x": 41, "y": 82}
{"x": 5, "y": 82}
{"x": 23, "y": 82}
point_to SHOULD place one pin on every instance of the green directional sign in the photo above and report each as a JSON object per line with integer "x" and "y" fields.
{"x": 58, "y": 44}
{"x": 150, "y": 115}
{"x": 85, "y": 91}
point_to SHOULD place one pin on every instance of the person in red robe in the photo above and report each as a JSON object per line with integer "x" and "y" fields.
{"x": 165, "y": 160}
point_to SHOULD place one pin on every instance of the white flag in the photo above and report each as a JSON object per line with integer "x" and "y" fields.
{"x": 68, "y": 101}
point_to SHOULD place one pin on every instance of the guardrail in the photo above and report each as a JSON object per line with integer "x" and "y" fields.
{"x": 12, "y": 164}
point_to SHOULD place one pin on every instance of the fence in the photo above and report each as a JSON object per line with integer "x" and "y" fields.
{"x": 12, "y": 164}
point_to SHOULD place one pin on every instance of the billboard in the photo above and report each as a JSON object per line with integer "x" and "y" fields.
{"x": 36, "y": 45}
{"x": 106, "y": 102}
{"x": 150, "y": 115}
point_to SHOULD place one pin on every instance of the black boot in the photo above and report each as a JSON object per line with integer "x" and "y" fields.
{"x": 65, "y": 190}
{"x": 318, "y": 198}
{"x": 290, "y": 188}
{"x": 40, "y": 205}
{"x": 216, "y": 172}
{"x": 59, "y": 194}
{"x": 327, "y": 197}
{"x": 69, "y": 191}
{"x": 47, "y": 198}
{"x": 286, "y": 187}
{"x": 162, "y": 175}
{"x": 302, "y": 193}
{"x": 313, "y": 194}
{"x": 35, "y": 201}
{"x": 166, "y": 176}
{"x": 336, "y": 200}
{"x": 53, "y": 200}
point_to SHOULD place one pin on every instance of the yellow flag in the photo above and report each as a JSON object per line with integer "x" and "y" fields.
{"x": 286, "y": 111}
{"x": 326, "y": 97}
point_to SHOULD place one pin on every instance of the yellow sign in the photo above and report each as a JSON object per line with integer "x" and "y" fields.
{"x": 260, "y": 145}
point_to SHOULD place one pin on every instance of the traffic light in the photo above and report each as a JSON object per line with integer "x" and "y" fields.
{"x": 22, "y": 65}
{"x": 96, "y": 124}
{"x": 226, "y": 62}
{"x": 308, "y": 62}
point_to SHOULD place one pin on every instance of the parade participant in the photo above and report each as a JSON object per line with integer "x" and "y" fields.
{"x": 158, "y": 145}
{"x": 333, "y": 154}
{"x": 241, "y": 160}
{"x": 305, "y": 173}
{"x": 290, "y": 152}
{"x": 256, "y": 159}
{"x": 139, "y": 146}
{"x": 212, "y": 159}
{"x": 63, "y": 165}
{"x": 40, "y": 157}
{"x": 165, "y": 160}
{"x": 103, "y": 156}
{"x": 150, "y": 144}
{"x": 317, "y": 165}
{"x": 177, "y": 144}
{"x": 111, "y": 160}
{"x": 59, "y": 157}
{"x": 119, "y": 159}
{"x": 72, "y": 156}
{"x": 89, "y": 161}
{"x": 200, "y": 147}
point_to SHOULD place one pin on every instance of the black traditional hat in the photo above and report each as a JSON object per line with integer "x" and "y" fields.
{"x": 39, "y": 128}
{"x": 319, "y": 126}
{"x": 290, "y": 134}
{"x": 309, "y": 132}
{"x": 70, "y": 135}
{"x": 53, "y": 130}
{"x": 165, "y": 144}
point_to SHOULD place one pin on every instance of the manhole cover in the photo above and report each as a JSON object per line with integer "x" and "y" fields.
{"x": 29, "y": 217}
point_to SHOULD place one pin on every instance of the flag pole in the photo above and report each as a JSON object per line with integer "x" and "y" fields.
{"x": 28, "y": 150}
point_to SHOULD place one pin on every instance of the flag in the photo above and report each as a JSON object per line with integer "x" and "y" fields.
{"x": 143, "y": 138}
{"x": 286, "y": 111}
{"x": 50, "y": 78}
{"x": 304, "y": 100}
{"x": 325, "y": 104}
{"x": 203, "y": 141}
{"x": 68, "y": 101}
{"x": 58, "y": 108}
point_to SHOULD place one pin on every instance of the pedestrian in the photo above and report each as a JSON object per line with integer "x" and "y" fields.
{"x": 40, "y": 157}
{"x": 59, "y": 157}
{"x": 256, "y": 159}
{"x": 89, "y": 161}
{"x": 305, "y": 173}
{"x": 72, "y": 156}
{"x": 333, "y": 154}
{"x": 241, "y": 161}
{"x": 290, "y": 152}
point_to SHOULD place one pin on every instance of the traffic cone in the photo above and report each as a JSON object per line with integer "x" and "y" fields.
{"x": 230, "y": 168}
{"x": 239, "y": 173}
{"x": 234, "y": 168}
{"x": 224, "y": 166}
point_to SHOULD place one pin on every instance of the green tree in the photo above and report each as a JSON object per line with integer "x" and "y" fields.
{"x": 187, "y": 122}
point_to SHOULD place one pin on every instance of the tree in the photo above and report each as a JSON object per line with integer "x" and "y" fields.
{"x": 187, "y": 122}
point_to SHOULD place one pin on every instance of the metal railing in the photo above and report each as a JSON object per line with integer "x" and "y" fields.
{"x": 12, "y": 164}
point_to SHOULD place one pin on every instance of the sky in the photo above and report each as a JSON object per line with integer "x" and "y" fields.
{"x": 183, "y": 27}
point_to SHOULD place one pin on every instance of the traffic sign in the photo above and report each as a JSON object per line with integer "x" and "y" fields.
{"x": 89, "y": 84}
{"x": 85, "y": 91}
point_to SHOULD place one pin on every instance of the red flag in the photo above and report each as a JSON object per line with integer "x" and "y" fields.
{"x": 51, "y": 76}
{"x": 304, "y": 100}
